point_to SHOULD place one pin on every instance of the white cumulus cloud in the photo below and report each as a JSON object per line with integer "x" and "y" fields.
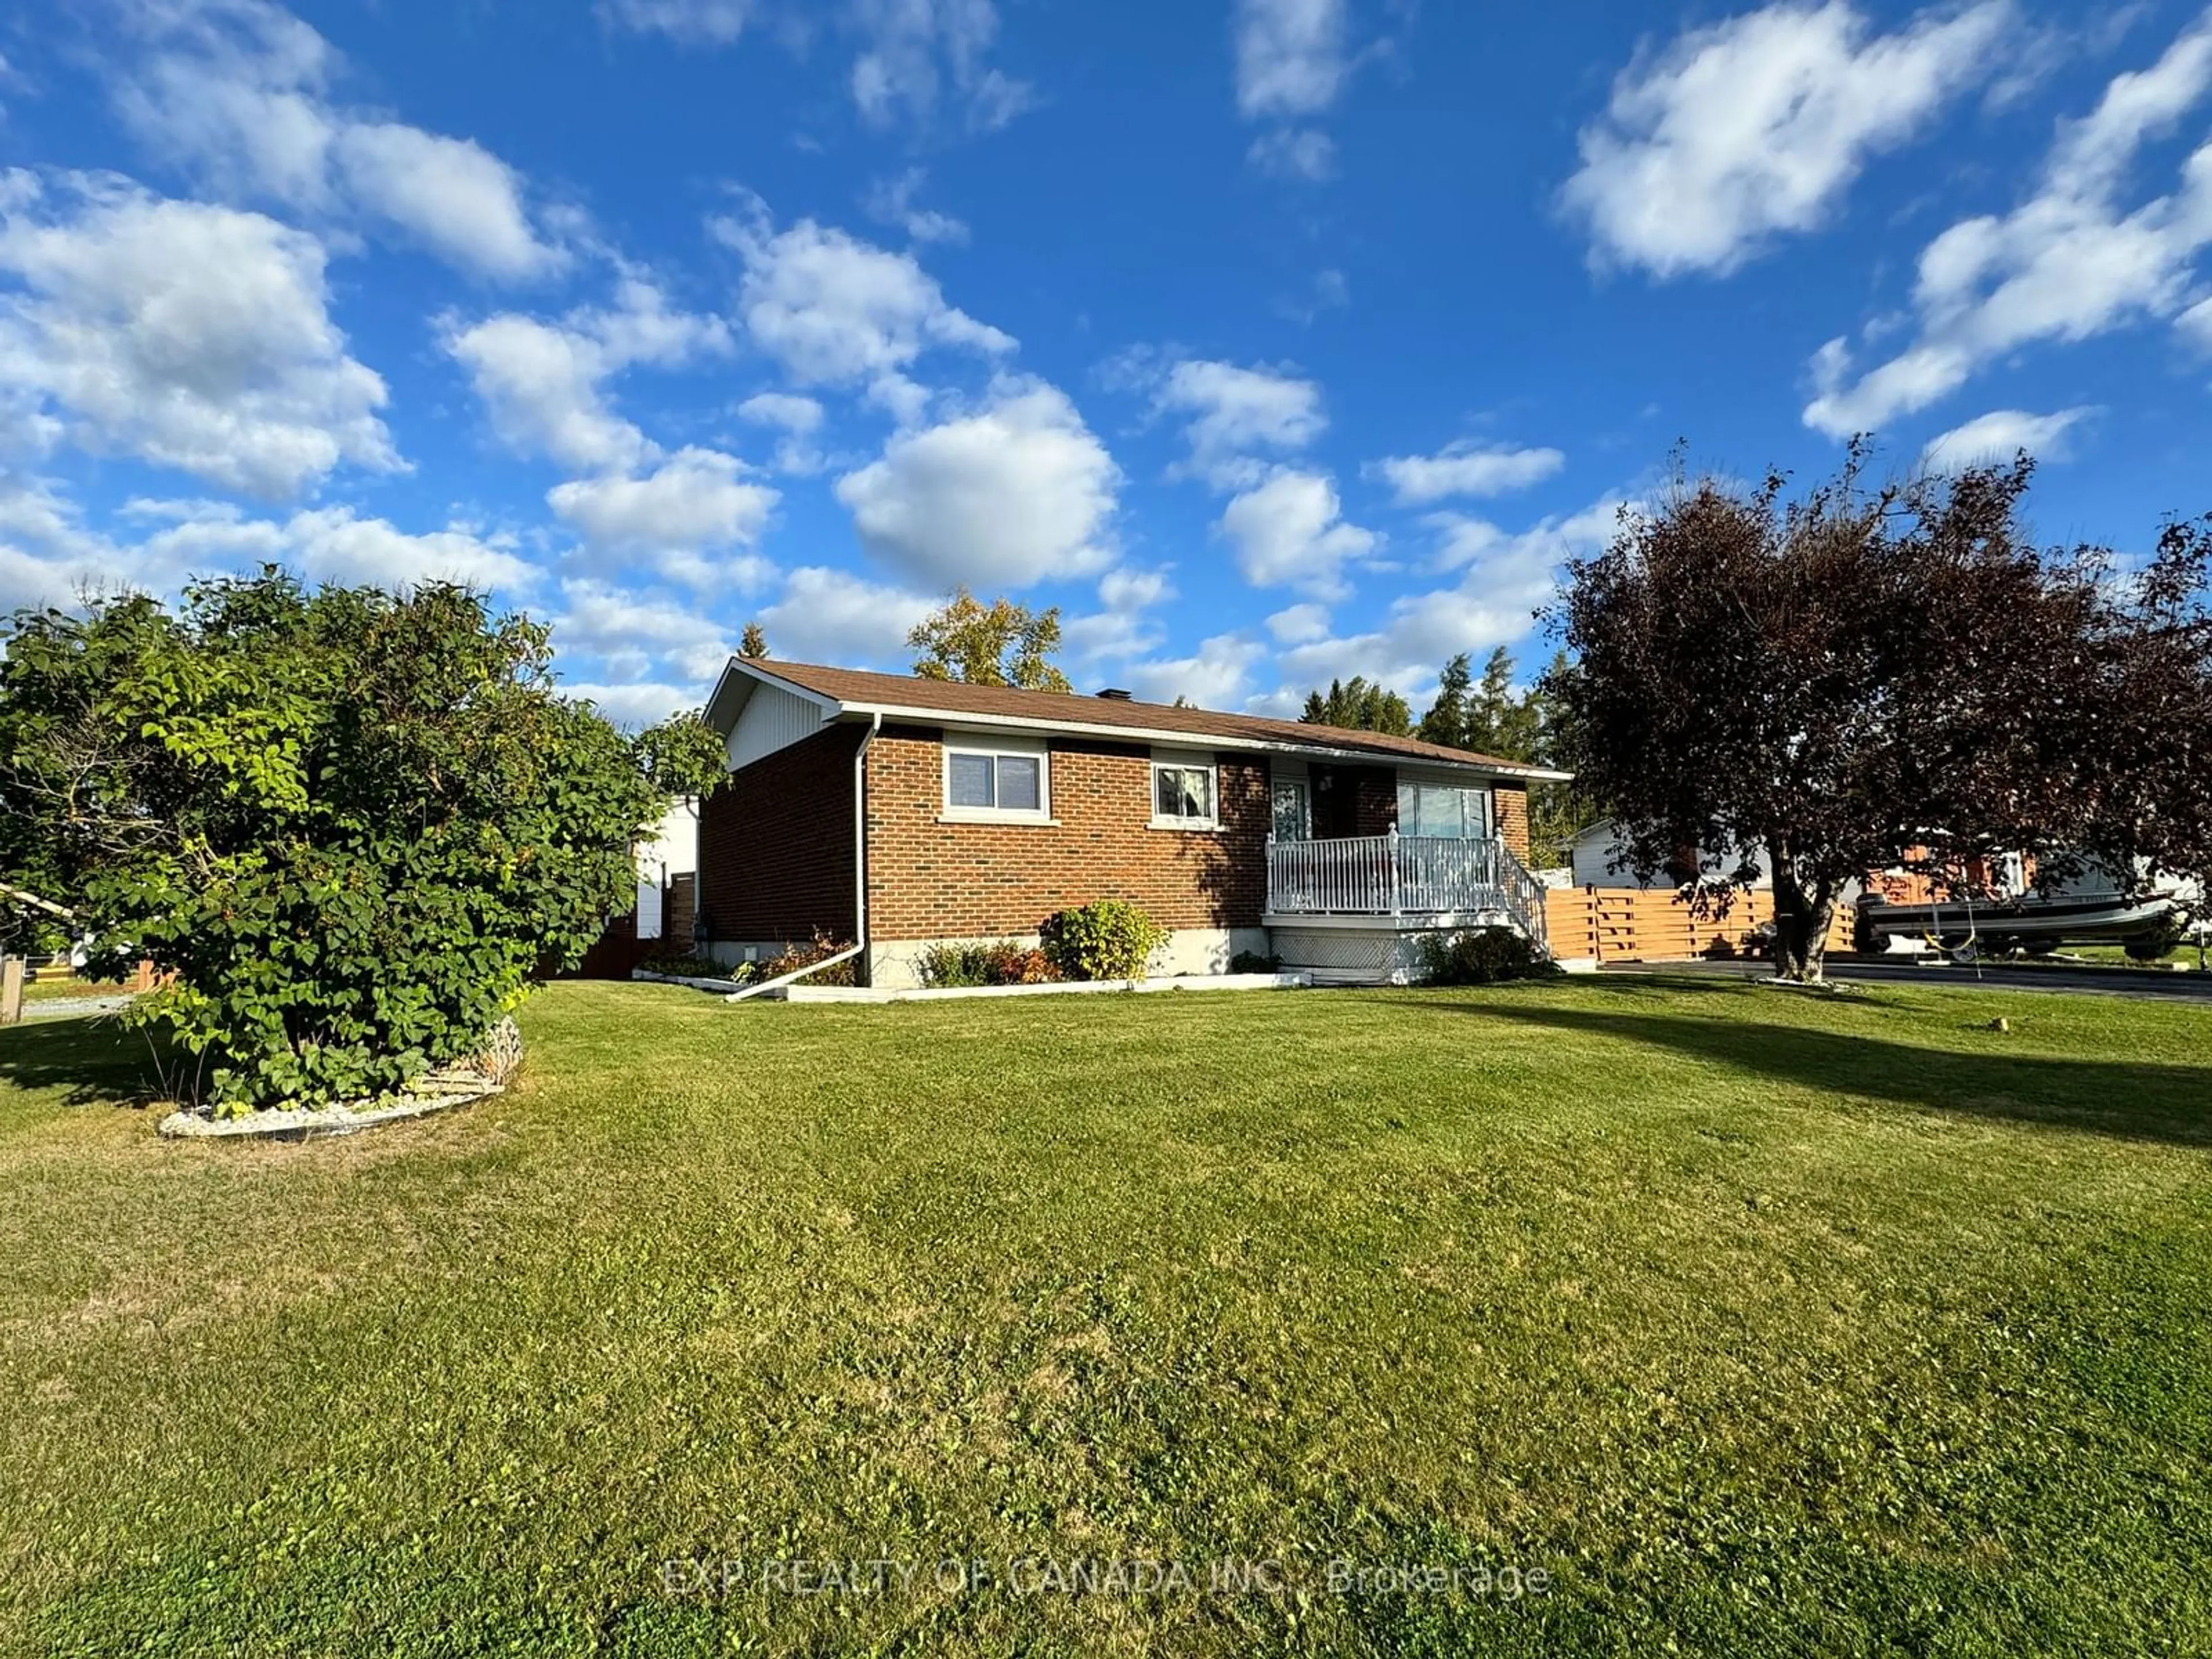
{"x": 696, "y": 503}
{"x": 544, "y": 383}
{"x": 336, "y": 544}
{"x": 48, "y": 555}
{"x": 1215, "y": 676}
{"x": 1505, "y": 576}
{"x": 692, "y": 22}
{"x": 1289, "y": 56}
{"x": 2071, "y": 262}
{"x": 1291, "y": 66}
{"x": 1466, "y": 468}
{"x": 187, "y": 335}
{"x": 799, "y": 419}
{"x": 1014, "y": 492}
{"x": 912, "y": 59}
{"x": 836, "y": 311}
{"x": 2002, "y": 434}
{"x": 915, "y": 54}
{"x": 1233, "y": 414}
{"x": 1749, "y": 128}
{"x": 633, "y": 635}
{"x": 237, "y": 91}
{"x": 836, "y": 616}
{"x": 1289, "y": 531}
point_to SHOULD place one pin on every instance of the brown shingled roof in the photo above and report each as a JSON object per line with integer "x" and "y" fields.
{"x": 868, "y": 691}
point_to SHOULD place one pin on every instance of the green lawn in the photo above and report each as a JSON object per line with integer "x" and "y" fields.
{"x": 1758, "y": 1324}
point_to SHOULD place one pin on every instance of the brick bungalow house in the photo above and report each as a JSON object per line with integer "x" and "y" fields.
{"x": 899, "y": 812}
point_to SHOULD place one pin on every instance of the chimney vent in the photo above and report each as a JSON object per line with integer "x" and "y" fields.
{"x": 1115, "y": 694}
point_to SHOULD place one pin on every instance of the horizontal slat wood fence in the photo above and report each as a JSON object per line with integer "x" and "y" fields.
{"x": 1621, "y": 924}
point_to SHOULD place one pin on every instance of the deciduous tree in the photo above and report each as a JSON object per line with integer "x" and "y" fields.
{"x": 1002, "y": 643}
{"x": 1822, "y": 685}
{"x": 353, "y": 824}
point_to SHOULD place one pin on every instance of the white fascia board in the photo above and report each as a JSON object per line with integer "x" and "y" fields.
{"x": 741, "y": 676}
{"x": 1147, "y": 734}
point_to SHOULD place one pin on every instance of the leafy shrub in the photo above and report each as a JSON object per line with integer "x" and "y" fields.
{"x": 1480, "y": 956}
{"x": 1251, "y": 962}
{"x": 355, "y": 825}
{"x": 821, "y": 947}
{"x": 1002, "y": 963}
{"x": 2160, "y": 941}
{"x": 1111, "y": 939}
{"x": 698, "y": 967}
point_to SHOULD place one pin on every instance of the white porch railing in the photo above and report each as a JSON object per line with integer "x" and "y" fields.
{"x": 1396, "y": 875}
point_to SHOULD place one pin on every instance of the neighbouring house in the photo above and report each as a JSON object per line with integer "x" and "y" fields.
{"x": 896, "y": 813}
{"x": 662, "y": 922}
{"x": 1598, "y": 860}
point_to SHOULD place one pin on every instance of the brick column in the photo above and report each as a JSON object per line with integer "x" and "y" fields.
{"x": 1509, "y": 805}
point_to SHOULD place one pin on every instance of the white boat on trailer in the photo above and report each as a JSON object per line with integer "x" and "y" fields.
{"x": 2032, "y": 922}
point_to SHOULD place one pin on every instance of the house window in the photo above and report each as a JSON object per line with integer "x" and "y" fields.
{"x": 1444, "y": 812}
{"x": 987, "y": 781}
{"x": 1183, "y": 794}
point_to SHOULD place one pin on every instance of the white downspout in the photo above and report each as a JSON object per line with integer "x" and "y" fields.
{"x": 859, "y": 875}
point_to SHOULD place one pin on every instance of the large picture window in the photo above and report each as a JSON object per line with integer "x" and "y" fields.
{"x": 1447, "y": 812}
{"x": 987, "y": 781}
{"x": 1183, "y": 794}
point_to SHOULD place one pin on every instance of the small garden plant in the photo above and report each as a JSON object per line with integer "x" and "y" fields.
{"x": 820, "y": 948}
{"x": 697, "y": 967}
{"x": 1002, "y": 961}
{"x": 1110, "y": 938}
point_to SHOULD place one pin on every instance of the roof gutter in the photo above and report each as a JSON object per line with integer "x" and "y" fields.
{"x": 859, "y": 877}
{"x": 833, "y": 710}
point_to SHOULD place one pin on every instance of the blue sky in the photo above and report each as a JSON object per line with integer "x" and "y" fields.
{"x": 1272, "y": 340}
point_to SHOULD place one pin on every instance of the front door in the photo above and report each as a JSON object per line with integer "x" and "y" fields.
{"x": 1293, "y": 814}
{"x": 1335, "y": 810}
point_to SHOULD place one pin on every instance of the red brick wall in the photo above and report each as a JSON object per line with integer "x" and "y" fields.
{"x": 931, "y": 880}
{"x": 1510, "y": 803}
{"x": 1375, "y": 800}
{"x": 776, "y": 844}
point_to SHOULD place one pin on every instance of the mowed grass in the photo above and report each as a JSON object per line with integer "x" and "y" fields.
{"x": 1760, "y": 1324}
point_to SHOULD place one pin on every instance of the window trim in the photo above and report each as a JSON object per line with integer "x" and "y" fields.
{"x": 1484, "y": 795}
{"x": 1168, "y": 760}
{"x": 996, "y": 747}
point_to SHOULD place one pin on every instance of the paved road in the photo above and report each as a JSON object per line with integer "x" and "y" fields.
{"x": 2134, "y": 983}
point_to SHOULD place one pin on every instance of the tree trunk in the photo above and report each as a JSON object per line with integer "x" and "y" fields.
{"x": 1802, "y": 919}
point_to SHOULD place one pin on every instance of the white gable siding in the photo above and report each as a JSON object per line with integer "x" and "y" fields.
{"x": 773, "y": 719}
{"x": 674, "y": 848}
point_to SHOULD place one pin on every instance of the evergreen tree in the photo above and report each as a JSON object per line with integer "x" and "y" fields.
{"x": 1358, "y": 706}
{"x": 1446, "y": 722}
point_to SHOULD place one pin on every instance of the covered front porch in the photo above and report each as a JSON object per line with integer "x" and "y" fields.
{"x": 1354, "y": 907}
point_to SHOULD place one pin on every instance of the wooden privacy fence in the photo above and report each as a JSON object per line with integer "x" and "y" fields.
{"x": 1623, "y": 924}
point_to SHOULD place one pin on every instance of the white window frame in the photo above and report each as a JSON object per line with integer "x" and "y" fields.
{"x": 1485, "y": 794}
{"x": 1168, "y": 760}
{"x": 995, "y": 746}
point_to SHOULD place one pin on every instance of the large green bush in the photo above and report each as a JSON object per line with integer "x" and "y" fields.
{"x": 1111, "y": 939}
{"x": 355, "y": 825}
